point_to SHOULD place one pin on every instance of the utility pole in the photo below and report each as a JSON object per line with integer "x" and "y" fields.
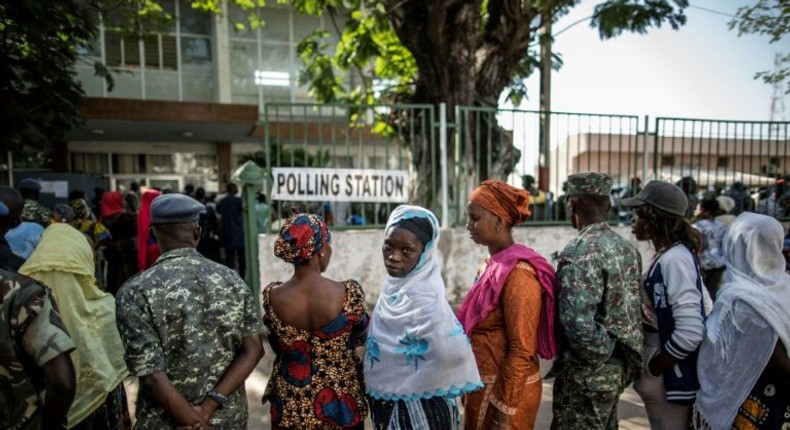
{"x": 544, "y": 159}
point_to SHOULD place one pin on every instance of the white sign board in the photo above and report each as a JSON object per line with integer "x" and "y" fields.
{"x": 335, "y": 185}
{"x": 59, "y": 188}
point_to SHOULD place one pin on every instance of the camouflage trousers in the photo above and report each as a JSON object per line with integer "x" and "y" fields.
{"x": 586, "y": 397}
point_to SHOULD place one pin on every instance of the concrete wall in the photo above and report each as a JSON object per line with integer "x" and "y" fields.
{"x": 357, "y": 254}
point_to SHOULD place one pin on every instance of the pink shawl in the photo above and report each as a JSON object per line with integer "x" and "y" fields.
{"x": 483, "y": 297}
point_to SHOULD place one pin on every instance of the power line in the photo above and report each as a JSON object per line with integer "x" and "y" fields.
{"x": 717, "y": 12}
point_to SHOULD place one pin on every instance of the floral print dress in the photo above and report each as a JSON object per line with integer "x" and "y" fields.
{"x": 316, "y": 380}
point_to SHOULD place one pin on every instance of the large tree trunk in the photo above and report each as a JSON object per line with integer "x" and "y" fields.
{"x": 463, "y": 63}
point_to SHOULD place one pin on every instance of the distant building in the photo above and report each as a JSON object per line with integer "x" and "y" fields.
{"x": 753, "y": 161}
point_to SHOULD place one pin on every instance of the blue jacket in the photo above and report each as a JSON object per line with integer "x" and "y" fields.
{"x": 675, "y": 288}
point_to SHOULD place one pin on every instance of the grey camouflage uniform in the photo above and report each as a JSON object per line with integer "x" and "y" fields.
{"x": 598, "y": 277}
{"x": 31, "y": 334}
{"x": 186, "y": 316}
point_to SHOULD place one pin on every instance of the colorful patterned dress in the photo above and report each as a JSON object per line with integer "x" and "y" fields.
{"x": 316, "y": 380}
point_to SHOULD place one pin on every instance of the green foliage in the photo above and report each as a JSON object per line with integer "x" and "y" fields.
{"x": 768, "y": 18}
{"x": 40, "y": 100}
{"x": 616, "y": 16}
{"x": 367, "y": 50}
{"x": 282, "y": 156}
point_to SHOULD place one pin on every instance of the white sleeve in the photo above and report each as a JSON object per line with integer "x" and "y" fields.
{"x": 685, "y": 300}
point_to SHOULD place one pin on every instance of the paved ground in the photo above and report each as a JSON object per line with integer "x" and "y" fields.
{"x": 631, "y": 410}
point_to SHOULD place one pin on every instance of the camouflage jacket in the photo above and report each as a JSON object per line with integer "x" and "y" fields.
{"x": 598, "y": 277}
{"x": 31, "y": 334}
{"x": 33, "y": 211}
{"x": 186, "y": 316}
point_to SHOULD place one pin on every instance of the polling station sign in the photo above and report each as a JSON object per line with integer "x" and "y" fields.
{"x": 352, "y": 185}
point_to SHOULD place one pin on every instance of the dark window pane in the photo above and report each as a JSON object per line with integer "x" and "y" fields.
{"x": 131, "y": 52}
{"x": 151, "y": 43}
{"x": 169, "y": 52}
{"x": 113, "y": 56}
{"x": 196, "y": 52}
{"x": 193, "y": 20}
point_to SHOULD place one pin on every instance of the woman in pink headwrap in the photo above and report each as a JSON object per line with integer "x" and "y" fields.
{"x": 508, "y": 313}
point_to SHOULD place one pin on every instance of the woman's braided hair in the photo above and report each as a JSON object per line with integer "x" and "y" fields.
{"x": 666, "y": 228}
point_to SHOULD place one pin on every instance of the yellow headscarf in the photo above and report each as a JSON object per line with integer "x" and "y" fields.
{"x": 63, "y": 261}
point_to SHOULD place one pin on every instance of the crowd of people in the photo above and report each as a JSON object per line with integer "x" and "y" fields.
{"x": 702, "y": 331}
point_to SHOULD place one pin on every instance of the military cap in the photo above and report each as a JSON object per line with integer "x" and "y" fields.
{"x": 175, "y": 209}
{"x": 589, "y": 183}
{"x": 662, "y": 195}
{"x": 29, "y": 184}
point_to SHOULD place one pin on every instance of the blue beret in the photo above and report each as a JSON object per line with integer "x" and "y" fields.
{"x": 175, "y": 209}
{"x": 29, "y": 184}
{"x": 4, "y": 209}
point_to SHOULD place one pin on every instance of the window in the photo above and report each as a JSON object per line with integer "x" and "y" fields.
{"x": 667, "y": 160}
{"x": 160, "y": 52}
{"x": 89, "y": 163}
{"x": 121, "y": 51}
{"x": 723, "y": 162}
{"x": 193, "y": 20}
{"x": 195, "y": 52}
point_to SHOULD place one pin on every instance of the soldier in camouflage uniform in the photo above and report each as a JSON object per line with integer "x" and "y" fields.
{"x": 191, "y": 329}
{"x": 599, "y": 308}
{"x": 33, "y": 211}
{"x": 34, "y": 347}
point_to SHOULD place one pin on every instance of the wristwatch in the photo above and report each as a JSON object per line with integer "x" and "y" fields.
{"x": 218, "y": 397}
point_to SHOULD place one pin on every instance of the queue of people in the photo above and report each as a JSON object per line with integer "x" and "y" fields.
{"x": 192, "y": 333}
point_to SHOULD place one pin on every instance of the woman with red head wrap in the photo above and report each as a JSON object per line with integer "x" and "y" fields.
{"x": 508, "y": 313}
{"x": 314, "y": 325}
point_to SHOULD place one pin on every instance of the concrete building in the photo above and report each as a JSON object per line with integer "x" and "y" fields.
{"x": 755, "y": 160}
{"x": 187, "y": 101}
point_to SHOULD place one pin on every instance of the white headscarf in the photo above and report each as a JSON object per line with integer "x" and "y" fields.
{"x": 416, "y": 347}
{"x": 731, "y": 358}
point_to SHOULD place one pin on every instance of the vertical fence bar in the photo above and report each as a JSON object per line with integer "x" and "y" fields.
{"x": 443, "y": 164}
{"x": 645, "y": 155}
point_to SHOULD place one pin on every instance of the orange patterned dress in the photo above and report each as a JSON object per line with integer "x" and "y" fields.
{"x": 316, "y": 380}
{"x": 504, "y": 344}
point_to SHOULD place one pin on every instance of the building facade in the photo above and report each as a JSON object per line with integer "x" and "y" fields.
{"x": 187, "y": 99}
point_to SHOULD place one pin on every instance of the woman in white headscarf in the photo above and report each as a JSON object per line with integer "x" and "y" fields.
{"x": 743, "y": 363}
{"x": 418, "y": 359}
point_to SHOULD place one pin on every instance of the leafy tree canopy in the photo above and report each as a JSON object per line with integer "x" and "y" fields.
{"x": 768, "y": 18}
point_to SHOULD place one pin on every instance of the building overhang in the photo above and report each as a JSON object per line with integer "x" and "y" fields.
{"x": 131, "y": 120}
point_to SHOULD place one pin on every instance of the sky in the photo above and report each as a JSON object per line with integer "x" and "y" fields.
{"x": 703, "y": 70}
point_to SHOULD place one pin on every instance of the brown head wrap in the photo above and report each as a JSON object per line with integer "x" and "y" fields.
{"x": 505, "y": 201}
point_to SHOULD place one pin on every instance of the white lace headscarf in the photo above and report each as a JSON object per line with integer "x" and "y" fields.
{"x": 416, "y": 347}
{"x": 732, "y": 357}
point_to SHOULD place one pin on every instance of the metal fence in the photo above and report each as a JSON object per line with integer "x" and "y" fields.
{"x": 313, "y": 136}
{"x": 448, "y": 153}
